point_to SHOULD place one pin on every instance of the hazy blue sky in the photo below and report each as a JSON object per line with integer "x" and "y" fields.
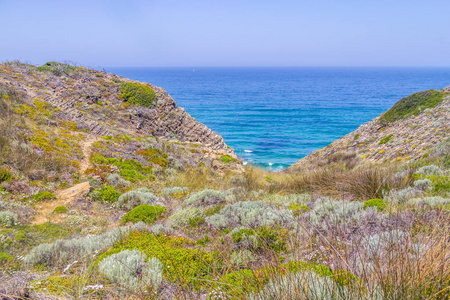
{"x": 227, "y": 32}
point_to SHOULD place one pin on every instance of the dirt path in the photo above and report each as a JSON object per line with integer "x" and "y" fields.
{"x": 44, "y": 211}
{"x": 63, "y": 198}
{"x": 86, "y": 148}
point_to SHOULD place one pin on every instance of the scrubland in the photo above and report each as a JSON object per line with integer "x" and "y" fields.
{"x": 156, "y": 223}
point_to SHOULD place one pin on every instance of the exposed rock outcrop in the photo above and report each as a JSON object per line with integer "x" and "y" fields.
{"x": 91, "y": 99}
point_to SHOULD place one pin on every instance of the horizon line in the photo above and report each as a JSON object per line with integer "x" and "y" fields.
{"x": 262, "y": 66}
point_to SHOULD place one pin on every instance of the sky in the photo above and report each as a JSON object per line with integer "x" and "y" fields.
{"x": 101, "y": 33}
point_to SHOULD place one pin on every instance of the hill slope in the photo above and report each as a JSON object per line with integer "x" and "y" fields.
{"x": 415, "y": 127}
{"x": 57, "y": 102}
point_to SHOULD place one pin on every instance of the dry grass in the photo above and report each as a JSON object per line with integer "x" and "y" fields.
{"x": 362, "y": 183}
{"x": 402, "y": 272}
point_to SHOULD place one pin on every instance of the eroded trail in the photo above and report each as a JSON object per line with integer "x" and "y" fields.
{"x": 44, "y": 211}
{"x": 86, "y": 148}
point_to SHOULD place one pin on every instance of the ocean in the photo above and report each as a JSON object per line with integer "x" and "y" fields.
{"x": 274, "y": 116}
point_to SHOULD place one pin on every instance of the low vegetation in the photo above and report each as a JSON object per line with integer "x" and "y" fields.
{"x": 138, "y": 94}
{"x": 412, "y": 105}
{"x": 163, "y": 219}
{"x": 144, "y": 213}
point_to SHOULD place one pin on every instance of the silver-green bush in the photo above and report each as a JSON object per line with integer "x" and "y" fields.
{"x": 431, "y": 201}
{"x": 286, "y": 200}
{"x": 136, "y": 197}
{"x": 205, "y": 197}
{"x": 430, "y": 170}
{"x": 175, "y": 191}
{"x": 182, "y": 216}
{"x": 117, "y": 181}
{"x": 423, "y": 184}
{"x": 130, "y": 270}
{"x": 251, "y": 214}
{"x": 243, "y": 257}
{"x": 402, "y": 195}
{"x": 62, "y": 251}
{"x": 302, "y": 285}
{"x": 8, "y": 219}
{"x": 159, "y": 228}
{"x": 328, "y": 212}
{"x": 380, "y": 243}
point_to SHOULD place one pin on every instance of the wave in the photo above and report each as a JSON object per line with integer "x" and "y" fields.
{"x": 248, "y": 151}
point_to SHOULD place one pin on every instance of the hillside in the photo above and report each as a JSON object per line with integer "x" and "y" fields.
{"x": 414, "y": 128}
{"x": 62, "y": 99}
{"x": 108, "y": 190}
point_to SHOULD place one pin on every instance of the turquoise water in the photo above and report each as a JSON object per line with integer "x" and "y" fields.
{"x": 272, "y": 117}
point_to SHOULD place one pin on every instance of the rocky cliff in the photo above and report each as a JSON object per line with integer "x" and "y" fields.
{"x": 92, "y": 99}
{"x": 49, "y": 114}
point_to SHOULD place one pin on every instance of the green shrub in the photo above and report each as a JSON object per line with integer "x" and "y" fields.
{"x": 20, "y": 236}
{"x": 203, "y": 241}
{"x": 386, "y": 139}
{"x": 133, "y": 170}
{"x": 227, "y": 159}
{"x": 274, "y": 239}
{"x": 241, "y": 234}
{"x": 43, "y": 196}
{"x": 60, "y": 210}
{"x": 47, "y": 232}
{"x": 195, "y": 222}
{"x": 106, "y": 194}
{"x": 99, "y": 159}
{"x": 130, "y": 270}
{"x": 262, "y": 238}
{"x": 57, "y": 285}
{"x": 138, "y": 94}
{"x": 145, "y": 213}
{"x": 441, "y": 184}
{"x": 56, "y": 68}
{"x": 380, "y": 204}
{"x": 241, "y": 282}
{"x": 356, "y": 136}
{"x": 155, "y": 156}
{"x": 4, "y": 258}
{"x": 412, "y": 105}
{"x": 297, "y": 209}
{"x": 5, "y": 175}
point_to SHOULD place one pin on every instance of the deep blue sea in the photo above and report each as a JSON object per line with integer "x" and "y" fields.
{"x": 272, "y": 117}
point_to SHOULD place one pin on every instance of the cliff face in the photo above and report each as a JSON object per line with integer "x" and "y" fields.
{"x": 54, "y": 109}
{"x": 414, "y": 128}
{"x": 92, "y": 100}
